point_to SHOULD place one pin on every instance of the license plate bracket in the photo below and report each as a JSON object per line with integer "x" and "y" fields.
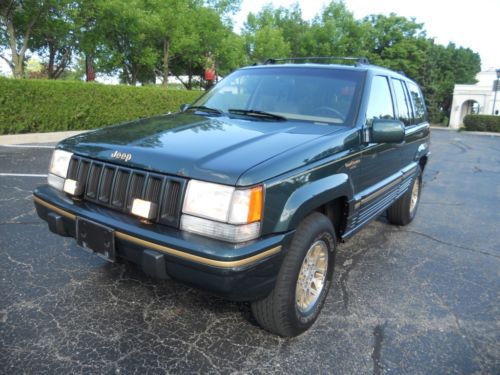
{"x": 96, "y": 237}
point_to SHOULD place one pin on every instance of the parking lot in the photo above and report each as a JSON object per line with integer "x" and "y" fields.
{"x": 419, "y": 299}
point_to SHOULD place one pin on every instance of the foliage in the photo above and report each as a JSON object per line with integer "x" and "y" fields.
{"x": 54, "y": 37}
{"x": 44, "y": 105}
{"x": 391, "y": 41}
{"x": 146, "y": 41}
{"x": 18, "y": 20}
{"x": 483, "y": 123}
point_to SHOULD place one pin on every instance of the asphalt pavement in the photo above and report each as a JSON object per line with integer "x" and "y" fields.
{"x": 421, "y": 299}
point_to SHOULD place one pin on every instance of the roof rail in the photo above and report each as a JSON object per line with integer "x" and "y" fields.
{"x": 359, "y": 60}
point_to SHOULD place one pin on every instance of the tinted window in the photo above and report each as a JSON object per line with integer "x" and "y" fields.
{"x": 380, "y": 104}
{"x": 418, "y": 103}
{"x": 402, "y": 101}
{"x": 306, "y": 94}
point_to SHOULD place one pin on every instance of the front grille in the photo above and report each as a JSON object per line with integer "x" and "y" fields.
{"x": 116, "y": 187}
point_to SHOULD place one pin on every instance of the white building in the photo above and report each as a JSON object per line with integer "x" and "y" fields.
{"x": 477, "y": 98}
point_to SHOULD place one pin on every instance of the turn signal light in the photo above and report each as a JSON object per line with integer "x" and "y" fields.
{"x": 255, "y": 205}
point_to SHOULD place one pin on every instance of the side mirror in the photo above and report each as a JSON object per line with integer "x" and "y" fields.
{"x": 184, "y": 107}
{"x": 387, "y": 131}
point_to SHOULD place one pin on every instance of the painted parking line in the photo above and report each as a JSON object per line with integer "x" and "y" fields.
{"x": 27, "y": 146}
{"x": 22, "y": 175}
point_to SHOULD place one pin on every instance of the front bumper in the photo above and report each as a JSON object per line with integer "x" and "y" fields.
{"x": 240, "y": 272}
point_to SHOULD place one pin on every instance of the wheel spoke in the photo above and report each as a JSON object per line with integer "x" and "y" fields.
{"x": 312, "y": 275}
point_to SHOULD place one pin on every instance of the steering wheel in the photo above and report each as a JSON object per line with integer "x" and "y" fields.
{"x": 328, "y": 111}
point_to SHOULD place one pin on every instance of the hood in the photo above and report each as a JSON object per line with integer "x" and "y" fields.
{"x": 216, "y": 149}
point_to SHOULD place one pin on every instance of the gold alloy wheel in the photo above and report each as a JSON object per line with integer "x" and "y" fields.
{"x": 312, "y": 276}
{"x": 414, "y": 195}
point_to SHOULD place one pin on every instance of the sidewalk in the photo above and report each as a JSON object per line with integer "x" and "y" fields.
{"x": 53, "y": 137}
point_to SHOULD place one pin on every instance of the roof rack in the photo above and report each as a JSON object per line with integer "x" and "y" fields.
{"x": 358, "y": 60}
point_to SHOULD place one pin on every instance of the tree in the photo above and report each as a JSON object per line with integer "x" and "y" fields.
{"x": 230, "y": 54}
{"x": 395, "y": 42}
{"x": 336, "y": 33}
{"x": 125, "y": 44}
{"x": 18, "y": 19}
{"x": 54, "y": 38}
{"x": 264, "y": 36}
{"x": 208, "y": 37}
{"x": 167, "y": 18}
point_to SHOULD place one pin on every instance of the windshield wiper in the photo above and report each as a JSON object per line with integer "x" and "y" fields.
{"x": 257, "y": 114}
{"x": 203, "y": 108}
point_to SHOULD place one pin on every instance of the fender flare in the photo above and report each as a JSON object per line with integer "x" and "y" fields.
{"x": 310, "y": 196}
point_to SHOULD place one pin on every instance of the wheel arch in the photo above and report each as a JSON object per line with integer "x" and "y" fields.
{"x": 423, "y": 162}
{"x": 328, "y": 196}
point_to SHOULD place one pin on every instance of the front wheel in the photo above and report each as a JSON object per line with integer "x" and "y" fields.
{"x": 303, "y": 281}
{"x": 403, "y": 211}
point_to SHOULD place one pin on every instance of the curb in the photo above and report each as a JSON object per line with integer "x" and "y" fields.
{"x": 16, "y": 139}
{"x": 466, "y": 132}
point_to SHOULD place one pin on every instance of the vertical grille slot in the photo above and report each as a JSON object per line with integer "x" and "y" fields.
{"x": 93, "y": 181}
{"x": 170, "y": 202}
{"x": 153, "y": 189}
{"x": 73, "y": 168}
{"x": 83, "y": 170}
{"x": 105, "y": 184}
{"x": 120, "y": 188}
{"x": 135, "y": 189}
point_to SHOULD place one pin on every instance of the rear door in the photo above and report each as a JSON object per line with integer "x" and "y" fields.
{"x": 417, "y": 129}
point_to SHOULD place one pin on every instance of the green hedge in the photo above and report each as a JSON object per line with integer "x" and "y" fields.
{"x": 28, "y": 106}
{"x": 482, "y": 123}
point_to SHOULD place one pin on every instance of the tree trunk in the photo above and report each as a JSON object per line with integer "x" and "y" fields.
{"x": 17, "y": 65}
{"x": 89, "y": 68}
{"x": 18, "y": 70}
{"x": 52, "y": 57}
{"x": 17, "y": 58}
{"x": 166, "y": 50}
{"x": 190, "y": 77}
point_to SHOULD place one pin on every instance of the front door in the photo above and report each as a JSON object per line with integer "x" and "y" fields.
{"x": 379, "y": 161}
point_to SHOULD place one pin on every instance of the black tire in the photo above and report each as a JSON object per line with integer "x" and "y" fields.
{"x": 402, "y": 212}
{"x": 279, "y": 312}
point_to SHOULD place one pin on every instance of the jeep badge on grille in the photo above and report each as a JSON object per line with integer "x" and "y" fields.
{"x": 121, "y": 155}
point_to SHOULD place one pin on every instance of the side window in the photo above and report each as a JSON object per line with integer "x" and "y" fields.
{"x": 403, "y": 103}
{"x": 418, "y": 103}
{"x": 380, "y": 103}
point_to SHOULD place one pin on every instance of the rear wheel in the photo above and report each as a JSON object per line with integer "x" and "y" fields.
{"x": 303, "y": 281}
{"x": 404, "y": 209}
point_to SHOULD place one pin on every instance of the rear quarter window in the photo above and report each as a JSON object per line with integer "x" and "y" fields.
{"x": 420, "y": 112}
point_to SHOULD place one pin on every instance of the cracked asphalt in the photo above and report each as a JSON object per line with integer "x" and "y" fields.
{"x": 421, "y": 299}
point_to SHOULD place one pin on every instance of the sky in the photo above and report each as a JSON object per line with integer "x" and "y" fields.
{"x": 469, "y": 24}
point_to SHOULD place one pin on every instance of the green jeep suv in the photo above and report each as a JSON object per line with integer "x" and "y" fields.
{"x": 247, "y": 192}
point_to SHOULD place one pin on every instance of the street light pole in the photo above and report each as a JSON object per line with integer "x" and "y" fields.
{"x": 496, "y": 89}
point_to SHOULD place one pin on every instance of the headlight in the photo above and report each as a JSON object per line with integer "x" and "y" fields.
{"x": 227, "y": 213}
{"x": 60, "y": 163}
{"x": 208, "y": 200}
{"x": 58, "y": 168}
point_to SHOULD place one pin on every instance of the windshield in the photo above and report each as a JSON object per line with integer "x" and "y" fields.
{"x": 323, "y": 95}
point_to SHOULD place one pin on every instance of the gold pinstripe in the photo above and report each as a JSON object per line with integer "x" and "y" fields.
{"x": 171, "y": 251}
